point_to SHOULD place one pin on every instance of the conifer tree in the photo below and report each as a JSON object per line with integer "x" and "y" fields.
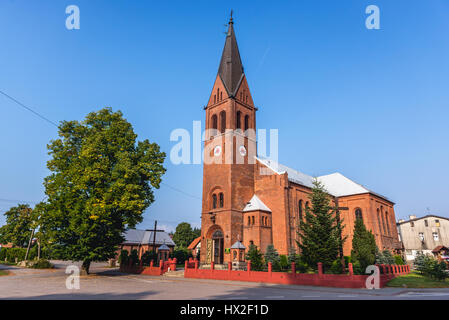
{"x": 271, "y": 255}
{"x": 255, "y": 256}
{"x": 363, "y": 245}
{"x": 320, "y": 232}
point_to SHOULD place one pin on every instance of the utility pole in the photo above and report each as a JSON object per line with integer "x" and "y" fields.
{"x": 29, "y": 245}
{"x": 154, "y": 236}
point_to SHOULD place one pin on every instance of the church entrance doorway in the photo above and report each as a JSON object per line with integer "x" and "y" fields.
{"x": 218, "y": 246}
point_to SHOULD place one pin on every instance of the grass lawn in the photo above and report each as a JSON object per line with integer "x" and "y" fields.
{"x": 415, "y": 280}
{"x": 4, "y": 273}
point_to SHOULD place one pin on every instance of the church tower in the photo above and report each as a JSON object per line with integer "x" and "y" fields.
{"x": 229, "y": 150}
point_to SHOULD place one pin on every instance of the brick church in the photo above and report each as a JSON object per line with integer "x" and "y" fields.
{"x": 258, "y": 201}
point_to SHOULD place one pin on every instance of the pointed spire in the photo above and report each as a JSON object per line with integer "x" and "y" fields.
{"x": 231, "y": 68}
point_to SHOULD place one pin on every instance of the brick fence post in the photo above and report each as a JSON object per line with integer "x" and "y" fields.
{"x": 161, "y": 267}
{"x": 270, "y": 268}
{"x": 351, "y": 269}
{"x": 186, "y": 265}
{"x": 151, "y": 263}
{"x": 320, "y": 269}
{"x": 248, "y": 266}
{"x": 212, "y": 265}
{"x": 229, "y": 266}
{"x": 294, "y": 269}
{"x": 196, "y": 264}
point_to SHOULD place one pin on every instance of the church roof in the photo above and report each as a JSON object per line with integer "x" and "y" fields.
{"x": 238, "y": 245}
{"x": 256, "y": 204}
{"x": 335, "y": 184}
{"x": 194, "y": 243}
{"x": 134, "y": 236}
{"x": 231, "y": 68}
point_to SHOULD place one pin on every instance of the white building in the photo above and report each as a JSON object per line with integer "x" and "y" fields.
{"x": 422, "y": 235}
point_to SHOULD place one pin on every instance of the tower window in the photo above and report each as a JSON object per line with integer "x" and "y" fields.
{"x": 300, "y": 210}
{"x": 426, "y": 223}
{"x": 437, "y": 223}
{"x": 253, "y": 220}
{"x": 214, "y": 122}
{"x": 223, "y": 121}
{"x": 214, "y": 201}
{"x": 246, "y": 122}
{"x": 249, "y": 220}
{"x": 238, "y": 124}
{"x": 435, "y": 236}
{"x": 221, "y": 200}
{"x": 215, "y": 98}
{"x": 388, "y": 224}
{"x": 358, "y": 214}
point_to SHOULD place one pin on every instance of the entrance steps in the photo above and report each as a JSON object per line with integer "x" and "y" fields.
{"x": 176, "y": 274}
{"x": 216, "y": 267}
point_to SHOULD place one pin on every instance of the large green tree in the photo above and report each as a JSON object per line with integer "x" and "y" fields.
{"x": 184, "y": 234}
{"x": 19, "y": 223}
{"x": 363, "y": 245}
{"x": 320, "y": 232}
{"x": 101, "y": 182}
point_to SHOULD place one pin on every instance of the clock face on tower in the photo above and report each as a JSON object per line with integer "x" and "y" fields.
{"x": 242, "y": 151}
{"x": 217, "y": 151}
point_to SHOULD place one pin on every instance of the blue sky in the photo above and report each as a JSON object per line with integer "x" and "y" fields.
{"x": 371, "y": 104}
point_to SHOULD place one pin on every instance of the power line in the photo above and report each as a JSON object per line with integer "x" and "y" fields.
{"x": 18, "y": 201}
{"x": 28, "y": 108}
{"x": 53, "y": 123}
{"x": 180, "y": 191}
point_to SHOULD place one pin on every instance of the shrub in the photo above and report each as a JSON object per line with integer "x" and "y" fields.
{"x": 42, "y": 264}
{"x": 302, "y": 267}
{"x": 256, "y": 258}
{"x": 438, "y": 270}
{"x": 336, "y": 267}
{"x": 357, "y": 268}
{"x": 283, "y": 262}
{"x": 147, "y": 257}
{"x": 398, "y": 260}
{"x": 271, "y": 255}
{"x": 134, "y": 257}
{"x": 181, "y": 255}
{"x": 123, "y": 259}
{"x": 431, "y": 267}
{"x": 13, "y": 253}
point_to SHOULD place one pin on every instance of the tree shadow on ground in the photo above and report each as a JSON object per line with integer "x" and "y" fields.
{"x": 87, "y": 296}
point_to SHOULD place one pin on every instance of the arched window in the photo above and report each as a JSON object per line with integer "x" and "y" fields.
{"x": 378, "y": 221}
{"x": 253, "y": 220}
{"x": 215, "y": 98}
{"x": 218, "y": 94}
{"x": 246, "y": 122}
{"x": 358, "y": 214}
{"x": 221, "y": 96}
{"x": 221, "y": 200}
{"x": 307, "y": 205}
{"x": 238, "y": 124}
{"x": 223, "y": 121}
{"x": 383, "y": 219}
{"x": 214, "y": 201}
{"x": 249, "y": 220}
{"x": 300, "y": 210}
{"x": 214, "y": 122}
{"x": 388, "y": 225}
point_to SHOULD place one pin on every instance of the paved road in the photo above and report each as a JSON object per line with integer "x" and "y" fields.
{"x": 107, "y": 283}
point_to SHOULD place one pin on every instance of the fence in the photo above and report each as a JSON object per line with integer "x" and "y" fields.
{"x": 387, "y": 272}
{"x": 152, "y": 270}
